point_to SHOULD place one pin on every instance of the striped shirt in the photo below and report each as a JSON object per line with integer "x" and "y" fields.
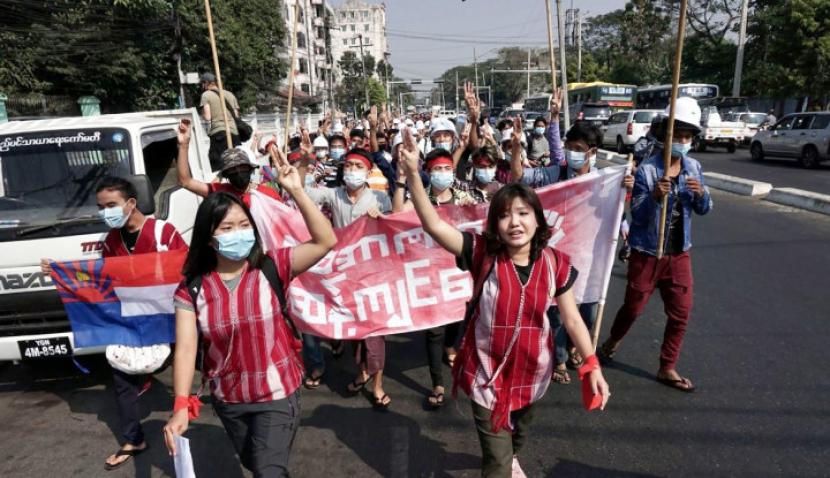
{"x": 505, "y": 360}
{"x": 155, "y": 235}
{"x": 250, "y": 354}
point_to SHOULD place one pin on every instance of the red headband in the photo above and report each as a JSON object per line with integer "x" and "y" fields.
{"x": 439, "y": 161}
{"x": 360, "y": 158}
{"x": 483, "y": 160}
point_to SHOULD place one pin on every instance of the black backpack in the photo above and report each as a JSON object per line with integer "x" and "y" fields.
{"x": 269, "y": 268}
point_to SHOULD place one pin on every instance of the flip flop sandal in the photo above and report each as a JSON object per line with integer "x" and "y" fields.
{"x": 128, "y": 453}
{"x": 381, "y": 403}
{"x": 677, "y": 384}
{"x": 575, "y": 361}
{"x": 561, "y": 376}
{"x": 356, "y": 387}
{"x": 605, "y": 354}
{"x": 438, "y": 401}
{"x": 311, "y": 382}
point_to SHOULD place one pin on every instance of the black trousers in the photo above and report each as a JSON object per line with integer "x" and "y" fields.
{"x": 218, "y": 145}
{"x": 127, "y": 388}
{"x": 437, "y": 339}
{"x": 262, "y": 433}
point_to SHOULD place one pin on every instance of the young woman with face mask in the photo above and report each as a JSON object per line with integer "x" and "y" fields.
{"x": 251, "y": 359}
{"x": 506, "y": 349}
{"x": 131, "y": 232}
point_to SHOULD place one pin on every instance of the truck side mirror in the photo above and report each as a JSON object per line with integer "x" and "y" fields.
{"x": 146, "y": 203}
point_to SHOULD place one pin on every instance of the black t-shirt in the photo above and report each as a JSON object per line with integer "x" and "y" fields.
{"x": 465, "y": 261}
{"x": 129, "y": 238}
{"x": 675, "y": 236}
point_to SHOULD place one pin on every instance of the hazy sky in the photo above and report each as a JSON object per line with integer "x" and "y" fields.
{"x": 427, "y": 37}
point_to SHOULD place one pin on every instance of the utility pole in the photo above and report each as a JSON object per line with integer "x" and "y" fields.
{"x": 363, "y": 69}
{"x": 386, "y": 68}
{"x": 739, "y": 59}
{"x": 563, "y": 64}
{"x": 528, "y": 74}
{"x": 456, "y": 89}
{"x": 578, "y": 46}
{"x": 475, "y": 63}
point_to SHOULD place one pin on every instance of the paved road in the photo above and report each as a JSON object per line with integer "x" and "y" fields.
{"x": 756, "y": 348}
{"x": 780, "y": 172}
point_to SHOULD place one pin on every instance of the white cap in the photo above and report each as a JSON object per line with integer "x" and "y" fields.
{"x": 441, "y": 124}
{"x": 409, "y": 122}
{"x": 398, "y": 139}
{"x": 506, "y": 134}
{"x": 396, "y": 121}
{"x": 420, "y": 125}
{"x": 320, "y": 142}
{"x": 687, "y": 110}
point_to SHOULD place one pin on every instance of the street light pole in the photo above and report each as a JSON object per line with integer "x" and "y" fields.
{"x": 563, "y": 64}
{"x": 363, "y": 69}
{"x": 739, "y": 59}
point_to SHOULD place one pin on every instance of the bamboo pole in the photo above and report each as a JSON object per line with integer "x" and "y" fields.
{"x": 218, "y": 75}
{"x": 678, "y": 57}
{"x": 291, "y": 79}
{"x": 550, "y": 47}
{"x": 610, "y": 266}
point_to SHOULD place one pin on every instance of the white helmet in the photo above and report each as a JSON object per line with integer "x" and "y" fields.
{"x": 420, "y": 125}
{"x": 441, "y": 124}
{"x": 320, "y": 142}
{"x": 686, "y": 111}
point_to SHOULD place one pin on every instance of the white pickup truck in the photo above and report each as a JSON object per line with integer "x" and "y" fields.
{"x": 48, "y": 174}
{"x": 716, "y": 132}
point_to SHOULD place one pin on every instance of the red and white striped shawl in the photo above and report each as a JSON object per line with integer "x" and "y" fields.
{"x": 505, "y": 359}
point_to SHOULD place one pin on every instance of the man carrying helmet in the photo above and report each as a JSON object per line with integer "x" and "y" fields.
{"x": 671, "y": 274}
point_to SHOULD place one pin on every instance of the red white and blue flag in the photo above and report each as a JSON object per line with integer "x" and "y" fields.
{"x": 121, "y": 300}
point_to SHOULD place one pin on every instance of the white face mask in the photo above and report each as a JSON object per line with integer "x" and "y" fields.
{"x": 485, "y": 175}
{"x": 355, "y": 179}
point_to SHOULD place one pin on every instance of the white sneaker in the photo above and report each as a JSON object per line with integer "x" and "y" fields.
{"x": 517, "y": 471}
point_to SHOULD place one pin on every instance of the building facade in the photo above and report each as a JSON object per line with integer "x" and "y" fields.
{"x": 313, "y": 65}
{"x": 355, "y": 20}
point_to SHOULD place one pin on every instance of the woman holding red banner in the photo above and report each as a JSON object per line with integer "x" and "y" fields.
{"x": 505, "y": 361}
{"x": 233, "y": 295}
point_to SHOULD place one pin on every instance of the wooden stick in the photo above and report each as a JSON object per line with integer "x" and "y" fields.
{"x": 678, "y": 56}
{"x": 550, "y": 48}
{"x": 218, "y": 75}
{"x": 291, "y": 79}
{"x": 601, "y": 308}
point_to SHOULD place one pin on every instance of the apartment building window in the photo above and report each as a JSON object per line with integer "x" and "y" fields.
{"x": 346, "y": 41}
{"x": 365, "y": 15}
{"x": 354, "y": 41}
{"x": 352, "y": 26}
{"x": 366, "y": 27}
{"x": 305, "y": 87}
{"x": 303, "y": 66}
{"x": 300, "y": 40}
{"x": 351, "y": 15}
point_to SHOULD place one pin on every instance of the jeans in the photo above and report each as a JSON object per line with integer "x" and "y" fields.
{"x": 588, "y": 311}
{"x": 437, "y": 339}
{"x": 262, "y": 433}
{"x": 313, "y": 354}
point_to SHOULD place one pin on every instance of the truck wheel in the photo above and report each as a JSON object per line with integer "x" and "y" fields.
{"x": 699, "y": 145}
{"x": 620, "y": 145}
{"x": 731, "y": 147}
{"x": 809, "y": 157}
{"x": 756, "y": 151}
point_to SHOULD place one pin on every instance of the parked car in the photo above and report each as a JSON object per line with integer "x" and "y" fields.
{"x": 530, "y": 117}
{"x": 805, "y": 136}
{"x": 596, "y": 113}
{"x": 625, "y": 128}
{"x": 510, "y": 113}
{"x": 752, "y": 122}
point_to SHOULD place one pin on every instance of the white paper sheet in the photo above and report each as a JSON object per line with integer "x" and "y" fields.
{"x": 182, "y": 460}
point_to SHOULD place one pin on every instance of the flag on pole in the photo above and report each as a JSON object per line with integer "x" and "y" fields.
{"x": 121, "y": 300}
{"x": 387, "y": 276}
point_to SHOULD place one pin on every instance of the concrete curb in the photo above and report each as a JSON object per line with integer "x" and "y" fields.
{"x": 793, "y": 197}
{"x": 744, "y": 187}
{"x": 801, "y": 199}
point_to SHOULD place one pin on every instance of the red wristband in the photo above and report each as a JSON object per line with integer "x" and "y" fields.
{"x": 191, "y": 403}
{"x": 590, "y": 400}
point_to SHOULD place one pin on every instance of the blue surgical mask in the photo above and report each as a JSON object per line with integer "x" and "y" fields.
{"x": 539, "y": 130}
{"x": 114, "y": 217}
{"x": 321, "y": 154}
{"x": 337, "y": 153}
{"x": 485, "y": 175}
{"x": 235, "y": 245}
{"x": 680, "y": 149}
{"x": 441, "y": 180}
{"x": 447, "y": 146}
{"x": 309, "y": 180}
{"x": 354, "y": 179}
{"x": 575, "y": 159}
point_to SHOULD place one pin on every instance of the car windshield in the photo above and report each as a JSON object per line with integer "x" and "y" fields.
{"x": 644, "y": 116}
{"x": 596, "y": 111}
{"x": 50, "y": 178}
{"x": 753, "y": 118}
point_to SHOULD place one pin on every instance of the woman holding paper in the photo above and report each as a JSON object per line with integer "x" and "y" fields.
{"x": 233, "y": 295}
{"x": 505, "y": 360}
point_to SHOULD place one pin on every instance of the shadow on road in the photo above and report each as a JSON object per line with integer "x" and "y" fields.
{"x": 575, "y": 469}
{"x": 389, "y": 443}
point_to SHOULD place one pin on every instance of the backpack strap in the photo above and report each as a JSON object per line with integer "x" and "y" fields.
{"x": 269, "y": 268}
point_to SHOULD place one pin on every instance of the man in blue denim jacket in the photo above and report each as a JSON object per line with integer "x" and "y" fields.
{"x": 672, "y": 274}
